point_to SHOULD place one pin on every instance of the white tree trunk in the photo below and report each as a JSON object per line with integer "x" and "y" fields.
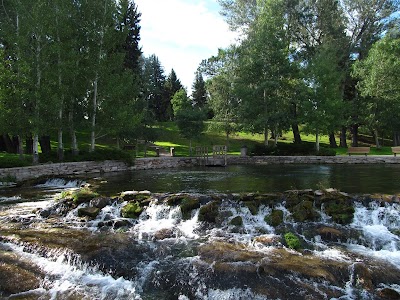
{"x": 35, "y": 149}
{"x": 93, "y": 133}
{"x": 317, "y": 141}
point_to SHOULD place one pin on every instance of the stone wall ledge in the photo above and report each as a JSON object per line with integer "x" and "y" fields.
{"x": 90, "y": 167}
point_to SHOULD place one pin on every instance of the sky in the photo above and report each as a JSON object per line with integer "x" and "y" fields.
{"x": 181, "y": 33}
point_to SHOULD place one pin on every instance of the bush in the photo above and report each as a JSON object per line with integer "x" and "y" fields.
{"x": 97, "y": 155}
{"x": 291, "y": 149}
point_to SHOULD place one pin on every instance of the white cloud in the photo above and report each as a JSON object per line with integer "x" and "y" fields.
{"x": 182, "y": 33}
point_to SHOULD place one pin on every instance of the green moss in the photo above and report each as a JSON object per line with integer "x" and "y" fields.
{"x": 237, "y": 221}
{"x": 275, "y": 218}
{"x": 209, "y": 212}
{"x": 292, "y": 241}
{"x": 253, "y": 206}
{"x": 83, "y": 195}
{"x": 187, "y": 205}
{"x": 341, "y": 211}
{"x": 304, "y": 211}
{"x": 131, "y": 210}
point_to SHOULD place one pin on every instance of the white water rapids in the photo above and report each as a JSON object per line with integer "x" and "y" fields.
{"x": 162, "y": 228}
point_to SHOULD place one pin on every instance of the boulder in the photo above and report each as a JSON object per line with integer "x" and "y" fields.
{"x": 90, "y": 212}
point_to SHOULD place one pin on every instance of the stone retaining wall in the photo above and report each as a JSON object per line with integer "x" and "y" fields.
{"x": 79, "y": 168}
{"x": 57, "y": 169}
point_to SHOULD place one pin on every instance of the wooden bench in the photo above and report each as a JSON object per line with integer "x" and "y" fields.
{"x": 395, "y": 150}
{"x": 358, "y": 150}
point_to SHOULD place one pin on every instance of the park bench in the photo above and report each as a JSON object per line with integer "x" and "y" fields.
{"x": 396, "y": 150}
{"x": 358, "y": 150}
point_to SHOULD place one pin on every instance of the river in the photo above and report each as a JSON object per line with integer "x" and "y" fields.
{"x": 206, "y": 233}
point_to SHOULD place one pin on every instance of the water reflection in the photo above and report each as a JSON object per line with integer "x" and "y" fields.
{"x": 261, "y": 178}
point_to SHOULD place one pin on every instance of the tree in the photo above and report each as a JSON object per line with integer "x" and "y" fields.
{"x": 189, "y": 119}
{"x": 378, "y": 74}
{"x": 172, "y": 85}
{"x": 223, "y": 99}
{"x": 199, "y": 93}
{"x": 154, "y": 88}
{"x": 324, "y": 108}
{"x": 180, "y": 101}
{"x": 264, "y": 72}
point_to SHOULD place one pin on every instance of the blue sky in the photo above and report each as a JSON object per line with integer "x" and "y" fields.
{"x": 182, "y": 33}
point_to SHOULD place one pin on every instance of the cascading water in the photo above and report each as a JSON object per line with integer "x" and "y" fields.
{"x": 190, "y": 246}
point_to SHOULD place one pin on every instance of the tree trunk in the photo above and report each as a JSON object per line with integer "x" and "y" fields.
{"x": 266, "y": 132}
{"x": 376, "y": 136}
{"x": 29, "y": 145}
{"x": 45, "y": 144}
{"x": 35, "y": 157}
{"x": 9, "y": 144}
{"x": 2, "y": 143}
{"x": 317, "y": 141}
{"x": 354, "y": 135}
{"x": 332, "y": 140}
{"x": 93, "y": 132}
{"x": 295, "y": 125}
{"x": 20, "y": 148}
{"x": 60, "y": 148}
{"x": 343, "y": 139}
{"x": 74, "y": 144}
{"x": 296, "y": 133}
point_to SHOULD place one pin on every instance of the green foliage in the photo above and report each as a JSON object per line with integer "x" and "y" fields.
{"x": 97, "y": 155}
{"x": 292, "y": 241}
{"x": 290, "y": 149}
{"x": 180, "y": 101}
{"x": 13, "y": 160}
{"x": 190, "y": 122}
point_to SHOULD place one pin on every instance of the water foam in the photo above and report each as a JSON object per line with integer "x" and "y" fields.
{"x": 66, "y": 274}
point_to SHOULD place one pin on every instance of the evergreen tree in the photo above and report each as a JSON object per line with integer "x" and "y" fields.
{"x": 172, "y": 85}
{"x": 199, "y": 93}
{"x": 154, "y": 88}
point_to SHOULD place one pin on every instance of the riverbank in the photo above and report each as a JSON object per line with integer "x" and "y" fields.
{"x": 92, "y": 167}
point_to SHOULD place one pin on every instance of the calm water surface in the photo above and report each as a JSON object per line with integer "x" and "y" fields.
{"x": 260, "y": 178}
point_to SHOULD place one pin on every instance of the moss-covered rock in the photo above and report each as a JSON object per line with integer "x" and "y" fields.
{"x": 304, "y": 211}
{"x": 236, "y": 221}
{"x": 83, "y": 195}
{"x": 131, "y": 210}
{"x": 209, "y": 212}
{"x": 342, "y": 212}
{"x": 275, "y": 218}
{"x": 187, "y": 205}
{"x": 90, "y": 212}
{"x": 253, "y": 206}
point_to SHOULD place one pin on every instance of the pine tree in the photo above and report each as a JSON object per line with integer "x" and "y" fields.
{"x": 172, "y": 85}
{"x": 199, "y": 94}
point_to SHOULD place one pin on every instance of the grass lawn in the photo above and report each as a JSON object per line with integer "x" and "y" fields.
{"x": 168, "y": 136}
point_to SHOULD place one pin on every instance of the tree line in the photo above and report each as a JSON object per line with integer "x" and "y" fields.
{"x": 70, "y": 66}
{"x": 328, "y": 65}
